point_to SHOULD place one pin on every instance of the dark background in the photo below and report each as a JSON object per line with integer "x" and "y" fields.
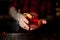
{"x": 50, "y": 31}
{"x": 6, "y": 21}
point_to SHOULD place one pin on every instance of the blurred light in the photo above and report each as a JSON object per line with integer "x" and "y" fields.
{"x": 19, "y": 11}
{"x": 44, "y": 22}
{"x": 3, "y": 33}
{"x": 56, "y": 3}
{"x": 28, "y": 15}
{"x": 57, "y": 13}
{"x": 57, "y": 9}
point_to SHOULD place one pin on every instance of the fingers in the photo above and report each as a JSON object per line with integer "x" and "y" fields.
{"x": 23, "y": 22}
{"x": 21, "y": 25}
{"x": 24, "y": 19}
{"x": 44, "y": 21}
{"x": 33, "y": 27}
{"x": 24, "y": 25}
{"x": 40, "y": 22}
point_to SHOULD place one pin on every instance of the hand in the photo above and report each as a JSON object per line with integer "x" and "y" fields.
{"x": 23, "y": 22}
{"x": 40, "y": 23}
{"x": 19, "y": 17}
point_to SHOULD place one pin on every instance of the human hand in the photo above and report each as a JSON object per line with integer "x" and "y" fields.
{"x": 40, "y": 23}
{"x": 23, "y": 22}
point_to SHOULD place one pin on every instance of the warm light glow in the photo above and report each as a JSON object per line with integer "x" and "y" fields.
{"x": 56, "y": 3}
{"x": 28, "y": 15}
{"x": 44, "y": 21}
{"x": 57, "y": 13}
{"x": 57, "y": 9}
{"x": 19, "y": 11}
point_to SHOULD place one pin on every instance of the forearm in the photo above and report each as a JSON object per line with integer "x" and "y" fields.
{"x": 13, "y": 13}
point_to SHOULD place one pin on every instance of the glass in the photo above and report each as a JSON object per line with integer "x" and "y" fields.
{"x": 32, "y": 18}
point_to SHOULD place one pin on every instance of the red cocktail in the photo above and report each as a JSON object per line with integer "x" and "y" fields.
{"x": 32, "y": 18}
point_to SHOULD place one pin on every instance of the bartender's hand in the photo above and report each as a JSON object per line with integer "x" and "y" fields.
{"x": 40, "y": 23}
{"x": 19, "y": 17}
{"x": 23, "y": 22}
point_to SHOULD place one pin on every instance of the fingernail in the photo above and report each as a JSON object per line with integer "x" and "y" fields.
{"x": 31, "y": 28}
